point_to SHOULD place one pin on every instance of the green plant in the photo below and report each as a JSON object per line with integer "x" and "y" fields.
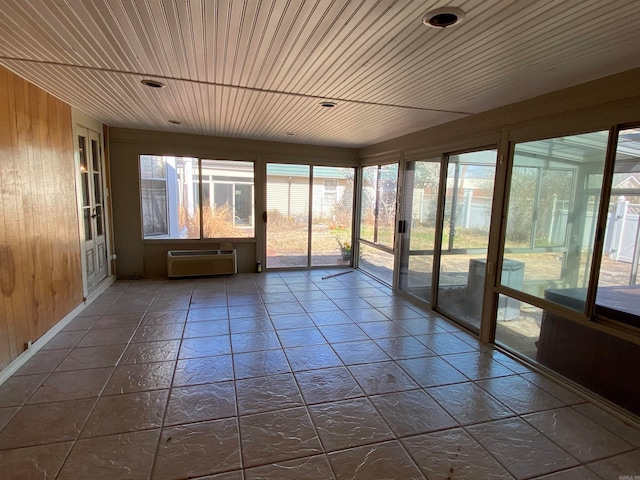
{"x": 345, "y": 249}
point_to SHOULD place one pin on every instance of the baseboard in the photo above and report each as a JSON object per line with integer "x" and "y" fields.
{"x": 21, "y": 359}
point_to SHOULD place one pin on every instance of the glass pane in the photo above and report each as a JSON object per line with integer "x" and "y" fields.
{"x": 82, "y": 144}
{"x": 332, "y": 215}
{"x": 95, "y": 155}
{"x": 97, "y": 188}
{"x": 99, "y": 221}
{"x": 376, "y": 262}
{"x": 368, "y": 203}
{"x": 518, "y": 326}
{"x": 86, "y": 215}
{"x": 420, "y": 209}
{"x": 154, "y": 207}
{"x": 465, "y": 236}
{"x": 601, "y": 362}
{"x": 386, "y": 213}
{"x": 228, "y": 209}
{"x": 287, "y": 215}
{"x": 618, "y": 289}
{"x": 551, "y": 217}
{"x": 168, "y": 194}
{"x": 86, "y": 195}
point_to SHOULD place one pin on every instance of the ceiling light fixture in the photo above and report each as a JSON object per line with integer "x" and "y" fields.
{"x": 327, "y": 104}
{"x": 152, "y": 83}
{"x": 443, "y": 17}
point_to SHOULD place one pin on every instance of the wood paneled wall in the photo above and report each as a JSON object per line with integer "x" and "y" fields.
{"x": 40, "y": 272}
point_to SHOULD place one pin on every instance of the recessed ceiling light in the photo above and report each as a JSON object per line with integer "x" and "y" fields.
{"x": 327, "y": 104}
{"x": 443, "y": 17}
{"x": 152, "y": 83}
{"x": 175, "y": 122}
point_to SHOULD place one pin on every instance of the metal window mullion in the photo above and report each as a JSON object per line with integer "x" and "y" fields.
{"x": 376, "y": 206}
{"x": 439, "y": 230}
{"x": 200, "y": 210}
{"x": 310, "y": 217}
{"x": 603, "y": 214}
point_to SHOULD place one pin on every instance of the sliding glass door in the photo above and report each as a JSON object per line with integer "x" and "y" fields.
{"x": 309, "y": 215}
{"x": 378, "y": 221}
{"x": 418, "y": 226}
{"x": 465, "y": 235}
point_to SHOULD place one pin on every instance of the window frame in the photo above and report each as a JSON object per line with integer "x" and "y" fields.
{"x": 198, "y": 180}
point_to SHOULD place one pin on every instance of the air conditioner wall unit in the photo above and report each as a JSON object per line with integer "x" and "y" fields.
{"x": 194, "y": 263}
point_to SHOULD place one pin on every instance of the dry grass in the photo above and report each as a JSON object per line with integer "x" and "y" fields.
{"x": 216, "y": 222}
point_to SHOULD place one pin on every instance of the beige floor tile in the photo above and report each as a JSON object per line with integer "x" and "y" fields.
{"x": 585, "y": 440}
{"x": 260, "y": 364}
{"x": 468, "y": 403}
{"x": 124, "y": 456}
{"x": 578, "y": 473}
{"x": 198, "y": 449}
{"x": 309, "y": 468}
{"x": 278, "y": 436}
{"x": 412, "y": 412}
{"x": 382, "y": 461}
{"x": 453, "y": 454}
{"x": 349, "y": 423}
{"x": 126, "y": 413}
{"x": 620, "y": 466}
{"x": 17, "y": 389}
{"x": 140, "y": 377}
{"x": 91, "y": 357}
{"x": 148, "y": 352}
{"x": 195, "y": 371}
{"x": 431, "y": 371}
{"x": 383, "y": 377}
{"x": 519, "y": 395}
{"x": 7, "y": 414}
{"x": 263, "y": 394}
{"x": 107, "y": 336}
{"x": 614, "y": 424}
{"x": 199, "y": 403}
{"x": 46, "y": 423}
{"x": 41, "y": 462}
{"x": 73, "y": 385}
{"x": 520, "y": 448}
{"x": 64, "y": 340}
{"x": 328, "y": 385}
{"x": 44, "y": 361}
{"x": 553, "y": 388}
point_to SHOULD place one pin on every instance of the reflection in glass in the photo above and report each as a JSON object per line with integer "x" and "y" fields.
{"x": 378, "y": 204}
{"x": 552, "y": 215}
{"x": 420, "y": 208}
{"x": 376, "y": 262}
{"x": 168, "y": 196}
{"x": 368, "y": 203}
{"x": 227, "y": 199}
{"x": 465, "y": 234}
{"x": 618, "y": 289}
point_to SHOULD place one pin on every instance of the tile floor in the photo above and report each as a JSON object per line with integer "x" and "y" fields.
{"x": 288, "y": 376}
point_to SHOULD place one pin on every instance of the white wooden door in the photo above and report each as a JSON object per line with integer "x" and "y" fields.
{"x": 92, "y": 206}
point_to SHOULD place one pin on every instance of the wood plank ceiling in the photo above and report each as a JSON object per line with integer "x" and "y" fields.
{"x": 259, "y": 68}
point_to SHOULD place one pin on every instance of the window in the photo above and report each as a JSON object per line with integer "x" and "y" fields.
{"x": 618, "y": 280}
{"x": 187, "y": 198}
{"x": 552, "y": 215}
{"x": 228, "y": 210}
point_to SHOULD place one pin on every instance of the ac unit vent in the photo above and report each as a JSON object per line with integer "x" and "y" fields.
{"x": 194, "y": 263}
